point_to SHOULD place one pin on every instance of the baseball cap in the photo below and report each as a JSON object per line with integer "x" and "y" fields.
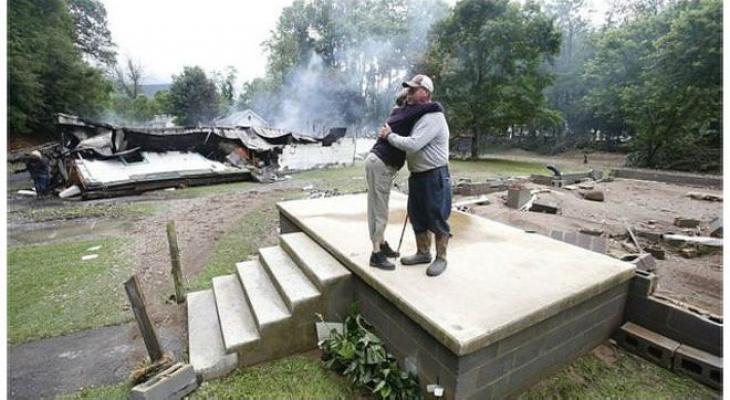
{"x": 420, "y": 81}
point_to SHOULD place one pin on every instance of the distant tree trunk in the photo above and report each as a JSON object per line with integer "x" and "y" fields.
{"x": 474, "y": 145}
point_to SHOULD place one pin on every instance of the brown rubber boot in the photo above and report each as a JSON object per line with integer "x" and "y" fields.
{"x": 423, "y": 252}
{"x": 439, "y": 264}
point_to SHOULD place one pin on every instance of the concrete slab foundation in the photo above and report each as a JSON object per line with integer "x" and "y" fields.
{"x": 511, "y": 308}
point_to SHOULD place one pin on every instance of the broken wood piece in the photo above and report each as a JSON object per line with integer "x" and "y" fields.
{"x": 633, "y": 238}
{"x": 480, "y": 201}
{"x": 136, "y": 299}
{"x": 592, "y": 232}
{"x": 704, "y": 196}
{"x": 175, "y": 260}
{"x": 148, "y": 370}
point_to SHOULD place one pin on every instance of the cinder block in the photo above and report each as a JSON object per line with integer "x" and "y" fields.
{"x": 517, "y": 197}
{"x": 173, "y": 383}
{"x": 645, "y": 343}
{"x": 694, "y": 329}
{"x": 557, "y": 235}
{"x": 599, "y": 245}
{"x": 686, "y": 222}
{"x": 494, "y": 370}
{"x": 716, "y": 227}
{"x": 647, "y": 312}
{"x": 643, "y": 261}
{"x": 643, "y": 283}
{"x": 701, "y": 366}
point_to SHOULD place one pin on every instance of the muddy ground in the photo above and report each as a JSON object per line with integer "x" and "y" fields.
{"x": 644, "y": 206}
{"x": 201, "y": 220}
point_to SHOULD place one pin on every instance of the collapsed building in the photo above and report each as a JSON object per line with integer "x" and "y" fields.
{"x": 97, "y": 160}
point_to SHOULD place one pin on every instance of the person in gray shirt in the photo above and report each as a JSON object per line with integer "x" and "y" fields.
{"x": 429, "y": 185}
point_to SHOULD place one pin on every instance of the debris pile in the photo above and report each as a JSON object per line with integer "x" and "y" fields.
{"x": 100, "y": 160}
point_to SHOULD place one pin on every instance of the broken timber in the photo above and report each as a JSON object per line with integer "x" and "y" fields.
{"x": 136, "y": 299}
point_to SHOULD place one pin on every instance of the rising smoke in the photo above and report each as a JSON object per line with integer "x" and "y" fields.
{"x": 357, "y": 89}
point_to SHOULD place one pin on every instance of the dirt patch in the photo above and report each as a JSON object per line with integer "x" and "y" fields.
{"x": 645, "y": 206}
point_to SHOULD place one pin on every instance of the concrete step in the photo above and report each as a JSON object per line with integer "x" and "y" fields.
{"x": 319, "y": 265}
{"x": 261, "y": 295}
{"x": 293, "y": 285}
{"x": 207, "y": 353}
{"x": 238, "y": 326}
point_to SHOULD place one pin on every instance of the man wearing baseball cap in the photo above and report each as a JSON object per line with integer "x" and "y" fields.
{"x": 429, "y": 185}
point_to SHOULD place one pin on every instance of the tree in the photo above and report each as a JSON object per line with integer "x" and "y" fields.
{"x": 129, "y": 77}
{"x": 91, "y": 34}
{"x": 46, "y": 72}
{"x": 486, "y": 59}
{"x": 657, "y": 79}
{"x": 568, "y": 89}
{"x": 193, "y": 98}
{"x": 365, "y": 48}
{"x": 226, "y": 82}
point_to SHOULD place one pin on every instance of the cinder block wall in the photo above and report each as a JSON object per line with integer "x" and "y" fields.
{"x": 504, "y": 368}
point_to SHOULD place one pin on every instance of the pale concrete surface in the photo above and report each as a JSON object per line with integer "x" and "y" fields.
{"x": 500, "y": 279}
{"x": 317, "y": 263}
{"x": 237, "y": 324}
{"x": 293, "y": 286}
{"x": 267, "y": 306}
{"x": 96, "y": 357}
{"x": 207, "y": 352}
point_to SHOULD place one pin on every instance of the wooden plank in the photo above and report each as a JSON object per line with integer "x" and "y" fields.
{"x": 136, "y": 299}
{"x": 175, "y": 260}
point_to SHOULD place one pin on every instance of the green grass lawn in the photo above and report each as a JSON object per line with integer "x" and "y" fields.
{"x": 297, "y": 377}
{"x": 302, "y": 376}
{"x": 51, "y": 291}
{"x": 491, "y": 167}
{"x": 619, "y": 375}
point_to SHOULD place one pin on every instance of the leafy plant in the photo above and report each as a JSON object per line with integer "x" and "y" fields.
{"x": 359, "y": 355}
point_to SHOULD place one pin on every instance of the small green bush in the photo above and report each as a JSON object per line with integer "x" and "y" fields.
{"x": 359, "y": 355}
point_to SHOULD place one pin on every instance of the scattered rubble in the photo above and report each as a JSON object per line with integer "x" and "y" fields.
{"x": 96, "y": 160}
{"x": 643, "y": 261}
{"x": 593, "y": 195}
{"x": 704, "y": 196}
{"x": 716, "y": 227}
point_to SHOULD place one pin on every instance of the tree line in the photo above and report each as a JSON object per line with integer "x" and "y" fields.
{"x": 647, "y": 80}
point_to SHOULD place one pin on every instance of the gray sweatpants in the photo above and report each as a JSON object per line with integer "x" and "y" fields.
{"x": 380, "y": 178}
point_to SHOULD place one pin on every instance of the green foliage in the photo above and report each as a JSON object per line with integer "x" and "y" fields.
{"x": 359, "y": 355}
{"x": 193, "y": 98}
{"x": 46, "y": 72}
{"x": 486, "y": 59}
{"x": 92, "y": 36}
{"x": 658, "y": 80}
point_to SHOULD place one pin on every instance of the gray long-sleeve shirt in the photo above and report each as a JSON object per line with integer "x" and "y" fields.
{"x": 428, "y": 145}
